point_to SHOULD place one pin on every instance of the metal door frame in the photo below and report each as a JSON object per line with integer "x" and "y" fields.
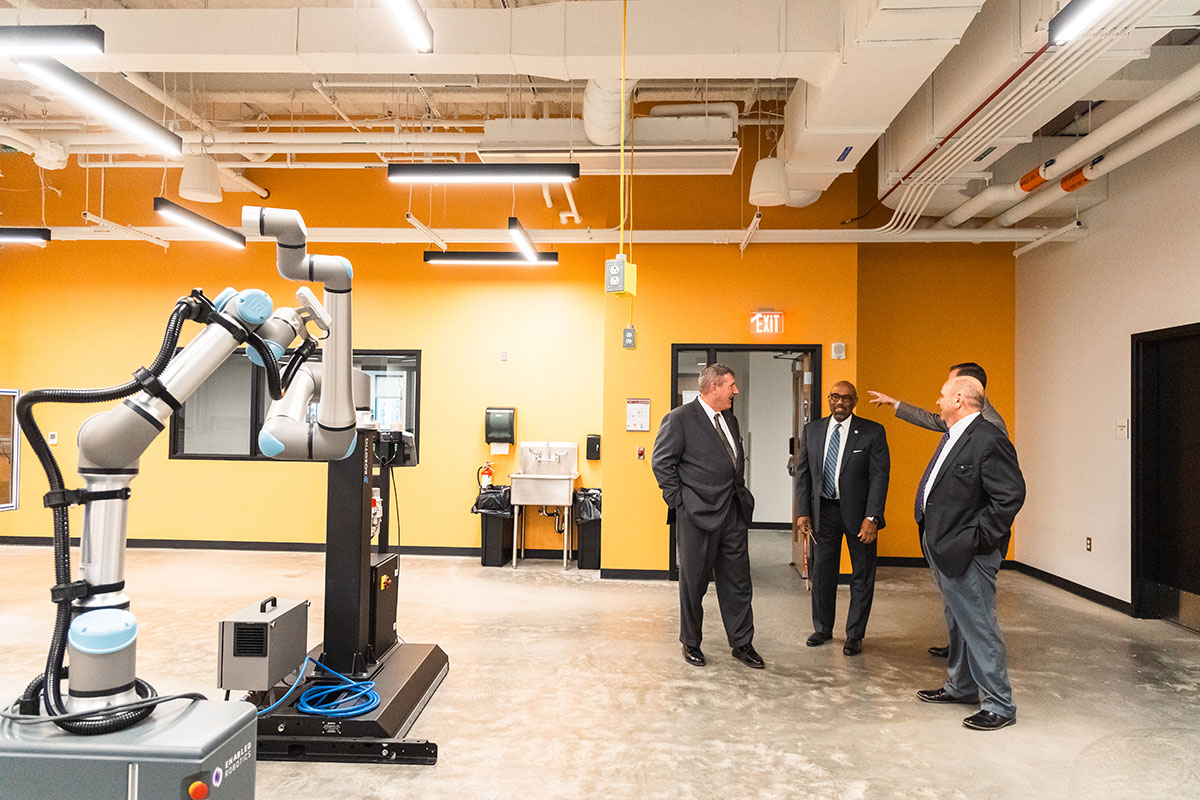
{"x": 711, "y": 356}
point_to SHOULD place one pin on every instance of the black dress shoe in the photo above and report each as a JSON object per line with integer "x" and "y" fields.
{"x": 693, "y": 656}
{"x": 940, "y": 652}
{"x": 852, "y": 647}
{"x": 941, "y": 696}
{"x": 988, "y": 721}
{"x": 817, "y": 638}
{"x": 748, "y": 656}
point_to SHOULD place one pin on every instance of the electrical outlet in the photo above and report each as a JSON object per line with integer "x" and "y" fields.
{"x": 504, "y": 355}
{"x": 52, "y": 437}
{"x": 1087, "y": 544}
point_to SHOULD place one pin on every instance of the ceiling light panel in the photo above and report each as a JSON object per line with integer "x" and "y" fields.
{"x": 483, "y": 173}
{"x": 476, "y": 258}
{"x": 191, "y": 219}
{"x": 50, "y": 40}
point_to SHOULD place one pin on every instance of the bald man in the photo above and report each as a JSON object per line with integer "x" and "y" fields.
{"x": 965, "y": 505}
{"x": 841, "y": 488}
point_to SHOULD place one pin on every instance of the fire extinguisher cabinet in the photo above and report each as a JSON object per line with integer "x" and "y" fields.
{"x": 494, "y": 507}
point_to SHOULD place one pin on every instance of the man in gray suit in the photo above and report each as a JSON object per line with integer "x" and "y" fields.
{"x": 930, "y": 421}
{"x": 841, "y": 489}
{"x": 700, "y": 466}
{"x": 965, "y": 505}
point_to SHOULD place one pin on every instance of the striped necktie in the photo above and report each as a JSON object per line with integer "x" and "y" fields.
{"x": 829, "y": 484}
{"x": 724, "y": 440}
{"x": 919, "y": 510}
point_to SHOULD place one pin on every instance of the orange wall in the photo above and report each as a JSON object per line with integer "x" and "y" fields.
{"x": 88, "y": 313}
{"x": 921, "y": 309}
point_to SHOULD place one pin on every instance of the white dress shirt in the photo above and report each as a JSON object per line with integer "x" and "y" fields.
{"x": 720, "y": 423}
{"x": 845, "y": 426}
{"x": 956, "y": 431}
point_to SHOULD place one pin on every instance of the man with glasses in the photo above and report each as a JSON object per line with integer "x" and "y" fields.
{"x": 841, "y": 489}
{"x": 701, "y": 468}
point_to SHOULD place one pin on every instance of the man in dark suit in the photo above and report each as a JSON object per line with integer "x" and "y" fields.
{"x": 841, "y": 483}
{"x": 700, "y": 466}
{"x": 924, "y": 418}
{"x": 966, "y": 502}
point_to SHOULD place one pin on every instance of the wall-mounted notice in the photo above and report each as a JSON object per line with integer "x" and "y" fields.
{"x": 637, "y": 414}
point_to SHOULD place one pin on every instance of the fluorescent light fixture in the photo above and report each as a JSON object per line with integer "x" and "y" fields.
{"x": 38, "y": 236}
{"x": 50, "y": 40}
{"x": 414, "y": 23}
{"x": 499, "y": 258}
{"x": 522, "y": 240}
{"x": 54, "y": 75}
{"x": 483, "y": 173}
{"x": 183, "y": 216}
{"x": 1076, "y": 17}
{"x": 425, "y": 229}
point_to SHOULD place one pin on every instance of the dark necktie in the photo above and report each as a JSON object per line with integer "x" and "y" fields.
{"x": 829, "y": 483}
{"x": 919, "y": 508}
{"x": 724, "y": 441}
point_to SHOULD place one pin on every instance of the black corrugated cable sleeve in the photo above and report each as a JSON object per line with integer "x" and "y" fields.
{"x": 103, "y": 722}
{"x": 298, "y": 358}
{"x": 274, "y": 386}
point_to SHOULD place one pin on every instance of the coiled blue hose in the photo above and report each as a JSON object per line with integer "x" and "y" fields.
{"x": 347, "y": 698}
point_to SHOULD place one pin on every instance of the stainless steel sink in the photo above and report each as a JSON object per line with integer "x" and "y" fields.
{"x": 547, "y": 475}
{"x": 542, "y": 490}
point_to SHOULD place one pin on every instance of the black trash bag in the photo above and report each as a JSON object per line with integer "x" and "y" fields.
{"x": 495, "y": 501}
{"x": 587, "y": 505}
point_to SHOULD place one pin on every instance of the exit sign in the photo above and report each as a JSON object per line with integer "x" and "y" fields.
{"x": 766, "y": 322}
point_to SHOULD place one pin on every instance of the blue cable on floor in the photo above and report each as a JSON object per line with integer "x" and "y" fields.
{"x": 331, "y": 700}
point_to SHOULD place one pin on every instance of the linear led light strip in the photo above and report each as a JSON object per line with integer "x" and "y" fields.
{"x": 522, "y": 240}
{"x": 50, "y": 40}
{"x": 414, "y": 23}
{"x": 91, "y": 97}
{"x": 1076, "y": 17}
{"x": 193, "y": 220}
{"x": 499, "y": 258}
{"x": 35, "y": 236}
{"x": 483, "y": 173}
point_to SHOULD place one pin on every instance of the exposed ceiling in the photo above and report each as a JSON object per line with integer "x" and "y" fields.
{"x": 258, "y": 84}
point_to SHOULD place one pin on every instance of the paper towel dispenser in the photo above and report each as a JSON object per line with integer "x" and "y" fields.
{"x": 500, "y": 426}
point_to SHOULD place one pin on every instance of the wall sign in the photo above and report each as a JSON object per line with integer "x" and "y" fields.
{"x": 637, "y": 414}
{"x": 766, "y": 321}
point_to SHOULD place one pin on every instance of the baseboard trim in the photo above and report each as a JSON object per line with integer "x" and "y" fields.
{"x": 636, "y": 574}
{"x": 424, "y": 550}
{"x": 182, "y": 544}
{"x": 901, "y": 561}
{"x": 1075, "y": 588}
{"x": 771, "y": 526}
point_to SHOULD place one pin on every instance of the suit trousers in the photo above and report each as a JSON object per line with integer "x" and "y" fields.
{"x": 826, "y": 561}
{"x": 725, "y": 553}
{"x": 977, "y": 662}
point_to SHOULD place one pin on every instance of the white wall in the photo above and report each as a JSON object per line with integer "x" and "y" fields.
{"x": 770, "y": 423}
{"x": 1077, "y": 305}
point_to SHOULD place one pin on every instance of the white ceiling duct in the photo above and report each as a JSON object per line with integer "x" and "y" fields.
{"x": 602, "y": 106}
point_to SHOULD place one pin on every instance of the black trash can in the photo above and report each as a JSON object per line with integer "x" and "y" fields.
{"x": 586, "y": 511}
{"x": 494, "y": 507}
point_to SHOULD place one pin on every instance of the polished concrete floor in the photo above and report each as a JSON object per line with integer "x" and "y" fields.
{"x": 565, "y": 686}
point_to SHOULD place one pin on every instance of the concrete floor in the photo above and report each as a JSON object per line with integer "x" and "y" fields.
{"x": 565, "y": 686}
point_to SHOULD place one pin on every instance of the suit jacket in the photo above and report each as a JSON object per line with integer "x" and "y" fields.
{"x": 862, "y": 478}
{"x": 693, "y": 468}
{"x": 927, "y": 419}
{"x": 974, "y": 498}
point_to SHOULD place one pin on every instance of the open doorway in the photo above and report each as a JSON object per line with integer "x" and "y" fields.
{"x": 777, "y": 385}
{"x": 1166, "y": 460}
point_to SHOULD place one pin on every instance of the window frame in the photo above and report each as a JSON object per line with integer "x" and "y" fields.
{"x": 258, "y": 401}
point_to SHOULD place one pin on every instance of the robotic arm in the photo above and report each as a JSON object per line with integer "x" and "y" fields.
{"x": 285, "y": 434}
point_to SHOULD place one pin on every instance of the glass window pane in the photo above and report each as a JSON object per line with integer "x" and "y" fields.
{"x": 10, "y": 449}
{"x": 216, "y": 418}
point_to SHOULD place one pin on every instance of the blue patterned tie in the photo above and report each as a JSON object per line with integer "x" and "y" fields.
{"x": 829, "y": 486}
{"x": 919, "y": 510}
